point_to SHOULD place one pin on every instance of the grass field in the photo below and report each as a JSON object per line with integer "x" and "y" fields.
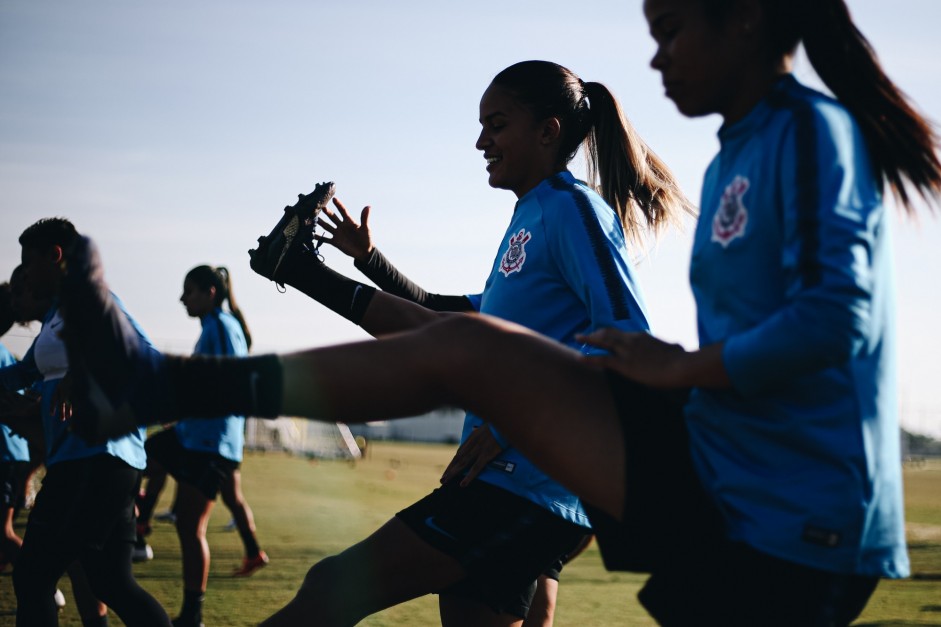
{"x": 306, "y": 510}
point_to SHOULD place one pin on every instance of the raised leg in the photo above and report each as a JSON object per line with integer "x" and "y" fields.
{"x": 547, "y": 401}
{"x": 542, "y": 396}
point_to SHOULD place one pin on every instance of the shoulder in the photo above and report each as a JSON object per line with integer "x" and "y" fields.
{"x": 565, "y": 200}
{"x": 226, "y": 325}
{"x": 814, "y": 117}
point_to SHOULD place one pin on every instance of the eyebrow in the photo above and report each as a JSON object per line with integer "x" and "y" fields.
{"x": 658, "y": 21}
{"x": 488, "y": 118}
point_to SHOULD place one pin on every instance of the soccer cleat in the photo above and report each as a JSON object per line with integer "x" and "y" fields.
{"x": 117, "y": 380}
{"x": 250, "y": 565}
{"x": 293, "y": 232}
{"x": 168, "y": 517}
{"x": 141, "y": 552}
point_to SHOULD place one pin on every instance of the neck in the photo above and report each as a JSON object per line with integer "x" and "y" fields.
{"x": 754, "y": 89}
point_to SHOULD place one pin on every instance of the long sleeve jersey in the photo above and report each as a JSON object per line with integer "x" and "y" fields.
{"x": 792, "y": 270}
{"x": 46, "y": 362}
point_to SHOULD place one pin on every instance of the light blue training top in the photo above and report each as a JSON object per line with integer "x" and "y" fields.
{"x": 221, "y": 335}
{"x": 792, "y": 269}
{"x": 562, "y": 269}
{"x": 46, "y": 362}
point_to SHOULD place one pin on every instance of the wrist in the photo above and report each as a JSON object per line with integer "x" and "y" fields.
{"x": 702, "y": 368}
{"x": 366, "y": 257}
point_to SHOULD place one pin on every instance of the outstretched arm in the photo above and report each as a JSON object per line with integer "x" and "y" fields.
{"x": 355, "y": 240}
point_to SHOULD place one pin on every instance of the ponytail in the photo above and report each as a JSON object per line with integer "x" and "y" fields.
{"x": 206, "y": 277}
{"x": 629, "y": 175}
{"x": 900, "y": 141}
{"x": 223, "y": 273}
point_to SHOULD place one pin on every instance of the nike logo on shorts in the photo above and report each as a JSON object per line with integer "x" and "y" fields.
{"x": 430, "y": 523}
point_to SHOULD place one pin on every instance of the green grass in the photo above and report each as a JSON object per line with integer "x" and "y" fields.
{"x": 306, "y": 510}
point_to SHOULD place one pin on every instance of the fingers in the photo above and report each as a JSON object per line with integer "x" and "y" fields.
{"x": 343, "y": 212}
{"x": 607, "y": 339}
{"x": 458, "y": 463}
{"x": 475, "y": 470}
{"x": 327, "y": 226}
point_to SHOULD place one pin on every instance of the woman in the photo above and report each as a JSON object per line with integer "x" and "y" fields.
{"x": 84, "y": 513}
{"x": 790, "y": 465}
{"x": 562, "y": 268}
{"x": 204, "y": 456}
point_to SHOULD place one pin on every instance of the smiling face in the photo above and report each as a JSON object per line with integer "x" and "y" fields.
{"x": 520, "y": 150}
{"x": 707, "y": 65}
{"x": 198, "y": 302}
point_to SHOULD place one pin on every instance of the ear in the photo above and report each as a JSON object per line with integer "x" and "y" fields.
{"x": 57, "y": 253}
{"x": 551, "y": 130}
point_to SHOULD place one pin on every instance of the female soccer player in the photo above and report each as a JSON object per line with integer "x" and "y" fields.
{"x": 204, "y": 456}
{"x": 562, "y": 268}
{"x": 790, "y": 463}
{"x": 85, "y": 509}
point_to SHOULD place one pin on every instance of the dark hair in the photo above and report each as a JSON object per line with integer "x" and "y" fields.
{"x": 206, "y": 277}
{"x": 49, "y": 232}
{"x": 7, "y": 315}
{"x": 900, "y": 141}
{"x": 627, "y": 174}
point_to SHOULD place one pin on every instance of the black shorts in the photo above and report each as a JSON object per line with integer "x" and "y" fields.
{"x": 85, "y": 503}
{"x": 206, "y": 472}
{"x": 672, "y": 529}
{"x": 12, "y": 481}
{"x": 666, "y": 512}
{"x": 503, "y": 541}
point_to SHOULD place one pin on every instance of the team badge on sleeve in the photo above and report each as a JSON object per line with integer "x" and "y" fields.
{"x": 732, "y": 217}
{"x": 515, "y": 255}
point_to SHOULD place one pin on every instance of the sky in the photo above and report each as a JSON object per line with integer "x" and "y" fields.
{"x": 175, "y": 132}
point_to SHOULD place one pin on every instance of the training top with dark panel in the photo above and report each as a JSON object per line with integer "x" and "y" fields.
{"x": 221, "y": 335}
{"x": 792, "y": 270}
{"x": 46, "y": 361}
{"x": 562, "y": 269}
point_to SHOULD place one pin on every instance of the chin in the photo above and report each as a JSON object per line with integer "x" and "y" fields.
{"x": 692, "y": 109}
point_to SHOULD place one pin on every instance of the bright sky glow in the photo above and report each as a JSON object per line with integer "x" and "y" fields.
{"x": 175, "y": 132}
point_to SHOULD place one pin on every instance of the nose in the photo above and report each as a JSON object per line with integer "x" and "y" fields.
{"x": 658, "y": 60}
{"x": 483, "y": 140}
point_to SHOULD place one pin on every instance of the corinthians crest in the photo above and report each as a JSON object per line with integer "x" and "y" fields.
{"x": 732, "y": 217}
{"x": 515, "y": 255}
